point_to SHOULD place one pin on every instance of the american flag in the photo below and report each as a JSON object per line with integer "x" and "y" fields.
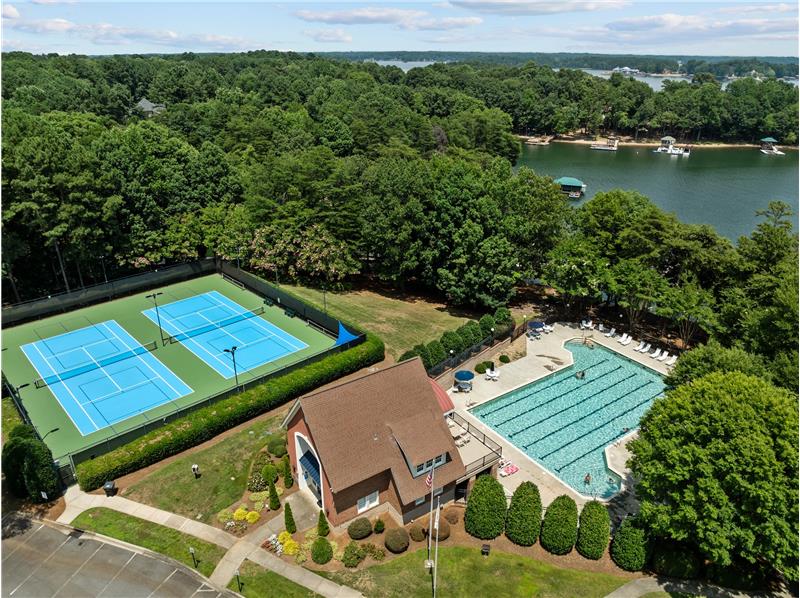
{"x": 429, "y": 479}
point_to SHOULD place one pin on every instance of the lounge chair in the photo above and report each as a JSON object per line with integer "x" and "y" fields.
{"x": 623, "y": 338}
{"x": 645, "y": 349}
{"x": 610, "y": 333}
{"x": 639, "y": 346}
{"x": 627, "y": 341}
{"x": 601, "y": 328}
{"x": 548, "y": 328}
{"x": 671, "y": 361}
{"x": 590, "y": 325}
{"x": 655, "y": 354}
{"x": 664, "y": 356}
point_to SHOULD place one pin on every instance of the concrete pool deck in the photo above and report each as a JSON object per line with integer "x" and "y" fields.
{"x": 545, "y": 356}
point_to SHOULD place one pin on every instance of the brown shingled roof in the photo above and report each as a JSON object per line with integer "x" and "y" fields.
{"x": 363, "y": 427}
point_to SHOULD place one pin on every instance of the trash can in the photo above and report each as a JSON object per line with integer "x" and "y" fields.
{"x": 485, "y": 549}
{"x": 110, "y": 488}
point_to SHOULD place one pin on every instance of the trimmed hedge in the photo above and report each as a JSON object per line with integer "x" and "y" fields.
{"x": 629, "y": 547}
{"x": 270, "y": 473}
{"x": 594, "y": 530}
{"x": 437, "y": 352}
{"x": 28, "y": 466}
{"x": 560, "y": 525}
{"x": 211, "y": 420}
{"x": 485, "y": 517}
{"x": 396, "y": 540}
{"x": 487, "y": 323}
{"x": 451, "y": 341}
{"x": 424, "y": 354}
{"x": 524, "y": 519}
{"x": 359, "y": 529}
{"x": 321, "y": 551}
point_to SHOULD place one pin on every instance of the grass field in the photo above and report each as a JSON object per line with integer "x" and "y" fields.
{"x": 223, "y": 467}
{"x": 11, "y": 417}
{"x": 401, "y": 321}
{"x": 48, "y": 414}
{"x": 463, "y": 572}
{"x": 152, "y": 536}
{"x": 258, "y": 582}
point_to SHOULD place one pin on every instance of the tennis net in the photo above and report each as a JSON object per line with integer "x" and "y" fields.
{"x": 246, "y": 315}
{"x": 94, "y": 365}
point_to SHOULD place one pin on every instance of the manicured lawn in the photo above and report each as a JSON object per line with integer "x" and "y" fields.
{"x": 669, "y": 595}
{"x": 464, "y": 572}
{"x": 10, "y": 415}
{"x": 258, "y": 582}
{"x": 401, "y": 321}
{"x": 152, "y": 536}
{"x": 223, "y": 480}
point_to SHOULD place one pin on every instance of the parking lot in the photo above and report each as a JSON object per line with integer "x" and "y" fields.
{"x": 40, "y": 561}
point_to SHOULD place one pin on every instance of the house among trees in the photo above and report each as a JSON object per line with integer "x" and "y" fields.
{"x": 373, "y": 442}
{"x": 148, "y": 108}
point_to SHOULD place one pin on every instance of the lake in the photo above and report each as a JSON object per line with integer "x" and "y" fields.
{"x": 722, "y": 187}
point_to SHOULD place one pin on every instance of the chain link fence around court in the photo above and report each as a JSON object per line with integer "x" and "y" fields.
{"x": 41, "y": 308}
{"x": 35, "y": 309}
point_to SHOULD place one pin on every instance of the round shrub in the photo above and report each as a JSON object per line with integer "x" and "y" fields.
{"x": 353, "y": 555}
{"x": 321, "y": 551}
{"x": 424, "y": 354}
{"x": 277, "y": 447}
{"x": 284, "y": 537}
{"x": 452, "y": 516}
{"x": 481, "y": 367}
{"x": 253, "y": 517}
{"x": 465, "y": 333}
{"x": 359, "y": 529}
{"x": 475, "y": 332}
{"x": 379, "y": 526}
{"x": 240, "y": 514}
{"x": 504, "y": 358}
{"x": 396, "y": 540}
{"x": 410, "y": 354}
{"x": 675, "y": 560}
{"x": 502, "y": 317}
{"x": 629, "y": 547}
{"x": 487, "y": 323}
{"x": 269, "y": 472}
{"x": 225, "y": 515}
{"x": 485, "y": 516}
{"x": 594, "y": 530}
{"x": 560, "y": 525}
{"x": 444, "y": 529}
{"x": 290, "y": 547}
{"x": 451, "y": 342}
{"x": 416, "y": 532}
{"x": 524, "y": 518}
{"x": 323, "y": 528}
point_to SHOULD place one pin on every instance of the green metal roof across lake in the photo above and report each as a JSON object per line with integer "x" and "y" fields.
{"x": 769, "y": 140}
{"x": 569, "y": 181}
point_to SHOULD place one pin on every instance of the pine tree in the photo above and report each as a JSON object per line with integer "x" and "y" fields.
{"x": 274, "y": 501}
{"x": 323, "y": 529}
{"x": 288, "y": 480}
{"x": 288, "y": 519}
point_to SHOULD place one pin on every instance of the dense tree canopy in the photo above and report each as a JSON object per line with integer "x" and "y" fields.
{"x": 716, "y": 463}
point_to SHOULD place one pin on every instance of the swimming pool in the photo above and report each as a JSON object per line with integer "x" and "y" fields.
{"x": 564, "y": 422}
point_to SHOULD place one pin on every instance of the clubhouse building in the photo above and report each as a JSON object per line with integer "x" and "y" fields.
{"x": 373, "y": 444}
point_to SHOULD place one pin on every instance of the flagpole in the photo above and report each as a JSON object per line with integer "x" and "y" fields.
{"x": 436, "y": 558}
{"x": 430, "y": 518}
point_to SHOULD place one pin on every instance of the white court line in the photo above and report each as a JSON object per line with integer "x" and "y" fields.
{"x": 102, "y": 369}
{"x": 177, "y": 394}
{"x": 222, "y": 328}
{"x": 186, "y": 342}
{"x": 259, "y": 322}
{"x": 81, "y": 348}
{"x": 120, "y": 391}
{"x": 69, "y": 390}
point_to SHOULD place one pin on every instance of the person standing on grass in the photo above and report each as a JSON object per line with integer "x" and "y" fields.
{"x": 196, "y": 471}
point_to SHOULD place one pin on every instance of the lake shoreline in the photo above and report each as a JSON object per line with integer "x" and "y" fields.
{"x": 623, "y": 142}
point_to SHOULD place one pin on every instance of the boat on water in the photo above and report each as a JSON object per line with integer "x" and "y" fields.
{"x": 572, "y": 187}
{"x": 611, "y": 145}
{"x": 768, "y": 147}
{"x": 668, "y": 147}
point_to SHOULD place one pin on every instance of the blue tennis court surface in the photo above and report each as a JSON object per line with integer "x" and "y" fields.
{"x": 208, "y": 324}
{"x": 101, "y": 375}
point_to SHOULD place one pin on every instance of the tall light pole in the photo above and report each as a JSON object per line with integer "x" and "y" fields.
{"x": 154, "y": 297}
{"x": 50, "y": 432}
{"x": 103, "y": 264}
{"x": 232, "y": 351}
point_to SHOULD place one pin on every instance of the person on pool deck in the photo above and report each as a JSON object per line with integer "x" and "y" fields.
{"x": 588, "y": 479}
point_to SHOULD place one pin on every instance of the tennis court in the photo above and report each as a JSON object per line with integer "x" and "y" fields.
{"x": 102, "y": 375}
{"x": 210, "y": 323}
{"x": 97, "y": 372}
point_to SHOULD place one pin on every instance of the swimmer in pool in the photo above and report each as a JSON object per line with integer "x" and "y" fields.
{"x": 588, "y": 479}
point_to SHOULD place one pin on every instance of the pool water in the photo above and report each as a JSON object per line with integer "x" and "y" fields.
{"x": 564, "y": 422}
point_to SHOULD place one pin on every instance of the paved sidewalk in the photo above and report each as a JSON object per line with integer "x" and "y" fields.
{"x": 79, "y": 501}
{"x": 646, "y": 585}
{"x": 247, "y": 547}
